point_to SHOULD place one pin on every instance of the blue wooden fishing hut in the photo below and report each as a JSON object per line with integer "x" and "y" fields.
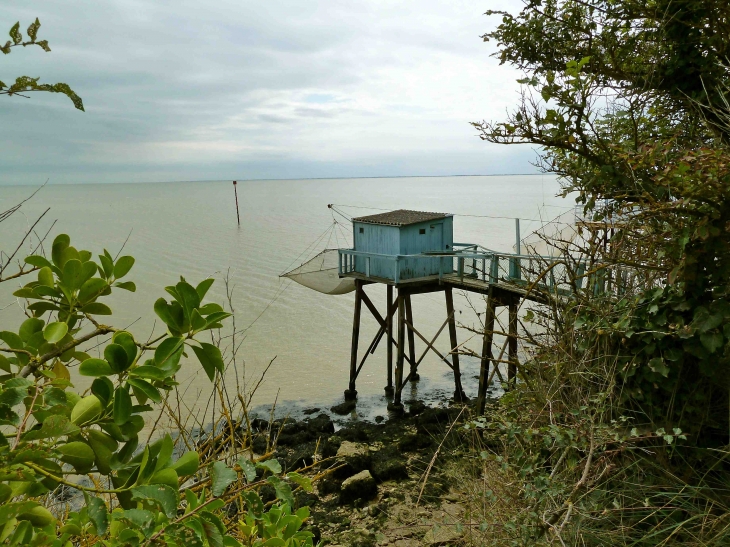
{"x": 414, "y": 252}
{"x": 401, "y": 233}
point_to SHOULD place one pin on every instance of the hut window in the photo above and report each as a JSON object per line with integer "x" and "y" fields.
{"x": 362, "y": 230}
{"x": 422, "y": 231}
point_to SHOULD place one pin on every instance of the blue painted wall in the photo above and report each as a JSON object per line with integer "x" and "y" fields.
{"x": 417, "y": 238}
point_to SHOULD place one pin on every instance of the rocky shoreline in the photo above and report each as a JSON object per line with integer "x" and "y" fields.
{"x": 376, "y": 475}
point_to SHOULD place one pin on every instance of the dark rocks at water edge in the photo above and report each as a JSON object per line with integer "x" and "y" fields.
{"x": 364, "y": 455}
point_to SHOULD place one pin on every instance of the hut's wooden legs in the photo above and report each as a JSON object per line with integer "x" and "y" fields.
{"x": 512, "y": 367}
{"x": 396, "y": 405}
{"x": 413, "y": 376}
{"x": 459, "y": 394}
{"x": 389, "y": 337}
{"x": 486, "y": 353}
{"x": 351, "y": 392}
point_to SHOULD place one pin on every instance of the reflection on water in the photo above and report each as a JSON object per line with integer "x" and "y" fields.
{"x": 190, "y": 229}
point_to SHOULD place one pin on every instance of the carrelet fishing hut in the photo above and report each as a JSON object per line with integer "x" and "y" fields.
{"x": 412, "y": 253}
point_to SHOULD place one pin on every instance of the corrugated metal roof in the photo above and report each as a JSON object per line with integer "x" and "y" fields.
{"x": 401, "y": 217}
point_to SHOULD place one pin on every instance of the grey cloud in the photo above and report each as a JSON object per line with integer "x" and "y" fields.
{"x": 175, "y": 90}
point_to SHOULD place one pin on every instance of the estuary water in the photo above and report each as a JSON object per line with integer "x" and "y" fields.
{"x": 189, "y": 229}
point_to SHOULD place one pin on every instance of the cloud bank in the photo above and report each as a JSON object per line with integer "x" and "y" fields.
{"x": 192, "y": 90}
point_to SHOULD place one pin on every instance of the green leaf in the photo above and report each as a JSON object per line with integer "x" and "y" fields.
{"x": 91, "y": 289}
{"x": 248, "y": 467}
{"x": 95, "y": 367}
{"x": 283, "y": 490}
{"x": 29, "y": 327}
{"x": 123, "y": 265}
{"x": 147, "y": 371}
{"x": 203, "y": 286}
{"x": 138, "y": 518}
{"x": 122, "y": 405}
{"x": 271, "y": 465}
{"x": 167, "y": 354}
{"x": 210, "y": 357}
{"x": 189, "y": 298}
{"x": 54, "y": 332}
{"x": 220, "y": 477}
{"x": 96, "y": 308}
{"x": 15, "y": 33}
{"x": 45, "y": 277}
{"x": 712, "y": 341}
{"x": 187, "y": 464}
{"x": 126, "y": 285}
{"x": 103, "y": 389}
{"x": 146, "y": 388}
{"x": 161, "y": 494}
{"x": 33, "y": 29}
{"x": 117, "y": 357}
{"x": 12, "y": 340}
{"x": 78, "y": 454}
{"x": 126, "y": 340}
{"x": 657, "y": 365}
{"x": 300, "y": 480}
{"x": 164, "y": 311}
{"x": 98, "y": 514}
{"x": 71, "y": 276}
{"x": 52, "y": 427}
{"x": 37, "y": 261}
{"x": 107, "y": 265}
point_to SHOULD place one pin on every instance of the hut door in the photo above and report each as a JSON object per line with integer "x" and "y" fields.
{"x": 436, "y": 237}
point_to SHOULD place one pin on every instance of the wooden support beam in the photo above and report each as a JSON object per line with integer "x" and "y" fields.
{"x": 486, "y": 354}
{"x": 351, "y": 392}
{"x": 389, "y": 333}
{"x": 459, "y": 394}
{"x": 379, "y": 318}
{"x": 429, "y": 347}
{"x": 413, "y": 374}
{"x": 396, "y": 405}
{"x": 512, "y": 367}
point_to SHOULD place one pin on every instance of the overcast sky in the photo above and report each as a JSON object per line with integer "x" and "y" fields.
{"x": 203, "y": 90}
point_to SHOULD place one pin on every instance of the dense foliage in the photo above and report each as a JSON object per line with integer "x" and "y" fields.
{"x": 620, "y": 427}
{"x": 51, "y": 433}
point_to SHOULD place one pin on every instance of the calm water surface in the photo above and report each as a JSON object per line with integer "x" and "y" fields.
{"x": 190, "y": 229}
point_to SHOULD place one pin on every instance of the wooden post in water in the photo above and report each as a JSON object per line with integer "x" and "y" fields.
{"x": 351, "y": 392}
{"x": 396, "y": 405}
{"x": 389, "y": 337}
{"x": 414, "y": 377}
{"x": 235, "y": 192}
{"x": 459, "y": 395}
{"x": 486, "y": 353}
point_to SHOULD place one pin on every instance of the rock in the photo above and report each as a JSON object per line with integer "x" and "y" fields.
{"x": 441, "y": 534}
{"x": 344, "y": 408}
{"x": 358, "y": 487}
{"x": 379, "y": 419}
{"x": 412, "y": 443}
{"x": 309, "y": 411}
{"x": 406, "y": 543}
{"x": 389, "y": 465}
{"x": 320, "y": 424}
{"x": 355, "y": 455}
{"x": 416, "y": 407}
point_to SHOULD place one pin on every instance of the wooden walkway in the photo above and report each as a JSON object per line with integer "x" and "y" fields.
{"x": 503, "y": 278}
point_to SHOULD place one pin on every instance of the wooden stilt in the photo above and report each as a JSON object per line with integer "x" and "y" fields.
{"x": 396, "y": 404}
{"x": 486, "y": 353}
{"x": 512, "y": 367}
{"x": 389, "y": 334}
{"x": 459, "y": 394}
{"x": 351, "y": 392}
{"x": 413, "y": 375}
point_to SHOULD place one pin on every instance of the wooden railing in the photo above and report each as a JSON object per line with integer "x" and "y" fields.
{"x": 471, "y": 261}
